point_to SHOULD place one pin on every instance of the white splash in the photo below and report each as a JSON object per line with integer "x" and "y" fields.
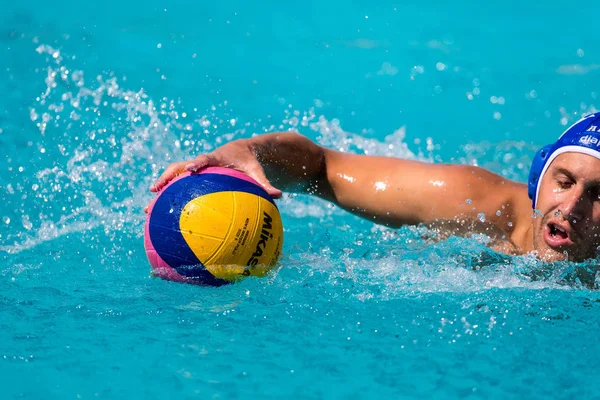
{"x": 349, "y": 178}
{"x": 387, "y": 69}
{"x": 380, "y": 186}
{"x": 577, "y": 69}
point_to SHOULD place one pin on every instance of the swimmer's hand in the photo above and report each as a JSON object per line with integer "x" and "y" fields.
{"x": 239, "y": 155}
{"x": 288, "y": 158}
{"x": 285, "y": 159}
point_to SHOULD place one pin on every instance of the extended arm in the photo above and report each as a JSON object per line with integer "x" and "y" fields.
{"x": 388, "y": 190}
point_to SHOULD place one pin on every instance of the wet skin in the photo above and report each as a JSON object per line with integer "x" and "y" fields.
{"x": 396, "y": 192}
{"x": 569, "y": 203}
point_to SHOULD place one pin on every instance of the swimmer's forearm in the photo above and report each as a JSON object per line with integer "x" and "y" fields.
{"x": 291, "y": 161}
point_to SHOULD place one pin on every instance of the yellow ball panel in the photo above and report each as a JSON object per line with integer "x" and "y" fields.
{"x": 233, "y": 234}
{"x": 205, "y": 223}
{"x": 215, "y": 212}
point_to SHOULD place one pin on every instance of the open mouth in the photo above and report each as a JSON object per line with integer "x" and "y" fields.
{"x": 557, "y": 231}
{"x": 557, "y": 236}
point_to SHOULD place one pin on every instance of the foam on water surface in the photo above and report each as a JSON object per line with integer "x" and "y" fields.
{"x": 356, "y": 309}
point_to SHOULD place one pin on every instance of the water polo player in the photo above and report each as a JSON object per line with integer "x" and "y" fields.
{"x": 563, "y": 188}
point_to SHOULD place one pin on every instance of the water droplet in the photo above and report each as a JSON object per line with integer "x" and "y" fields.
{"x": 481, "y": 217}
{"x": 469, "y": 201}
{"x": 26, "y": 222}
{"x": 6, "y": 220}
{"x": 538, "y": 214}
{"x": 498, "y": 213}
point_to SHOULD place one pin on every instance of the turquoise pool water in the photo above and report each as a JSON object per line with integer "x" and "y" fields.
{"x": 98, "y": 98}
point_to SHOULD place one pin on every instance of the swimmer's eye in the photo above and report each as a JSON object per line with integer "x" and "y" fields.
{"x": 564, "y": 184}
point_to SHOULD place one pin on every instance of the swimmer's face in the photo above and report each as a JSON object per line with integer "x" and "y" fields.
{"x": 569, "y": 203}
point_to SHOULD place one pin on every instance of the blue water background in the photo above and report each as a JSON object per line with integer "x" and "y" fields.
{"x": 98, "y": 98}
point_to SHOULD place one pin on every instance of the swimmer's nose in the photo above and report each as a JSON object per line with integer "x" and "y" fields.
{"x": 574, "y": 206}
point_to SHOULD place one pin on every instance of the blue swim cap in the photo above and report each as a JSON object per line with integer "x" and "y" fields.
{"x": 581, "y": 137}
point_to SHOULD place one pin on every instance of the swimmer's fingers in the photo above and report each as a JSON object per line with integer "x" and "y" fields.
{"x": 256, "y": 171}
{"x": 171, "y": 172}
{"x": 250, "y": 167}
{"x": 200, "y": 162}
{"x": 237, "y": 155}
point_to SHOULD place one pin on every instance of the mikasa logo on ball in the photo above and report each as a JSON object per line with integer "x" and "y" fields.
{"x": 265, "y": 235}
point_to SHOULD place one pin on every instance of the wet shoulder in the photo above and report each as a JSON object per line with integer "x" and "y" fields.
{"x": 522, "y": 218}
{"x": 501, "y": 200}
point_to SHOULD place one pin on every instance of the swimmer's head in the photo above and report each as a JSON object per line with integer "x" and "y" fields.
{"x": 581, "y": 137}
{"x": 564, "y": 186}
